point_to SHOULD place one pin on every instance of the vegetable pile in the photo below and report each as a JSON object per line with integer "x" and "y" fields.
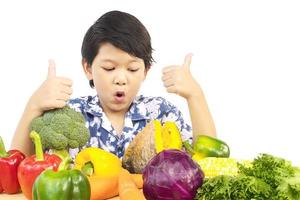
{"x": 267, "y": 178}
{"x": 154, "y": 161}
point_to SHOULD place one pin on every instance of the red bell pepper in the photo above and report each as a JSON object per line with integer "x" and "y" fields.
{"x": 9, "y": 162}
{"x": 34, "y": 165}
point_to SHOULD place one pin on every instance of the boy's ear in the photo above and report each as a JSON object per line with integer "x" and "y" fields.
{"x": 87, "y": 68}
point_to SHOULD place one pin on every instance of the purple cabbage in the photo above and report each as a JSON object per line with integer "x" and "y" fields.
{"x": 172, "y": 175}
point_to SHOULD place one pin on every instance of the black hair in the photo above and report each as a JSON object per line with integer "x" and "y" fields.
{"x": 122, "y": 30}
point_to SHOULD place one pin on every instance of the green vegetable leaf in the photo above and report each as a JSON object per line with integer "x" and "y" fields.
{"x": 215, "y": 188}
{"x": 270, "y": 169}
{"x": 289, "y": 189}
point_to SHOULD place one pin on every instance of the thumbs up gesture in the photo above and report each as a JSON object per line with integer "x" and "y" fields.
{"x": 54, "y": 92}
{"x": 179, "y": 80}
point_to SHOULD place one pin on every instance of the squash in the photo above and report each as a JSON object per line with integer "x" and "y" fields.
{"x": 151, "y": 140}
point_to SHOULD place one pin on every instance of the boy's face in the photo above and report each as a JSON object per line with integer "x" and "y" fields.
{"x": 117, "y": 77}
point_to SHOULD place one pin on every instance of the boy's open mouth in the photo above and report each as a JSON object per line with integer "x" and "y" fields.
{"x": 120, "y": 96}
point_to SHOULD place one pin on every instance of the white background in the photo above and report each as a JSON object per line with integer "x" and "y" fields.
{"x": 246, "y": 59}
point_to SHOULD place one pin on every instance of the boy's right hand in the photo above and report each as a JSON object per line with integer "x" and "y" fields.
{"x": 53, "y": 93}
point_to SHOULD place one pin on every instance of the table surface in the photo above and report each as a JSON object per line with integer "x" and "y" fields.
{"x": 22, "y": 197}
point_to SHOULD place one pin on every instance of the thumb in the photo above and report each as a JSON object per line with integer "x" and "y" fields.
{"x": 187, "y": 61}
{"x": 51, "y": 69}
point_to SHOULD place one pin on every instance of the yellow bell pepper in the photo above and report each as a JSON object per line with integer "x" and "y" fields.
{"x": 102, "y": 169}
{"x": 104, "y": 164}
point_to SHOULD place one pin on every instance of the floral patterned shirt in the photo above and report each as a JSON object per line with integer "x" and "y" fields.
{"x": 142, "y": 110}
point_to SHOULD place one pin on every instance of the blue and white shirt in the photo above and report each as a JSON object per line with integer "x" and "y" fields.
{"x": 142, "y": 110}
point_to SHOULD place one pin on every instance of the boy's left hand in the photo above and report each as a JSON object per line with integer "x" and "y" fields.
{"x": 179, "y": 80}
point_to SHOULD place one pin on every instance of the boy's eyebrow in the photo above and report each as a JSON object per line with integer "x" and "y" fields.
{"x": 115, "y": 62}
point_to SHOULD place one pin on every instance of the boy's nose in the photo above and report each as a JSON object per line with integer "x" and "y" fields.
{"x": 120, "y": 79}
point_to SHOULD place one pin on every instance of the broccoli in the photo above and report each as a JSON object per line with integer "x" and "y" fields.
{"x": 61, "y": 129}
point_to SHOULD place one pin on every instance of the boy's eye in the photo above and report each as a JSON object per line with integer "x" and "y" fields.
{"x": 108, "y": 68}
{"x": 133, "y": 70}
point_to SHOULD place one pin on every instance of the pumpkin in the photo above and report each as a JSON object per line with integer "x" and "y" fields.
{"x": 152, "y": 139}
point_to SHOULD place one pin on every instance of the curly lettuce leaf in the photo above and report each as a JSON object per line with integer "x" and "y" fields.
{"x": 289, "y": 189}
{"x": 218, "y": 187}
{"x": 270, "y": 169}
{"x": 234, "y": 188}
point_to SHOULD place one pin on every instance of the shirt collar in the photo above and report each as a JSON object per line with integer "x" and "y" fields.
{"x": 137, "y": 110}
{"x": 93, "y": 106}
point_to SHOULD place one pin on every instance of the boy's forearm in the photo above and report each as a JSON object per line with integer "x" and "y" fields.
{"x": 202, "y": 122}
{"x": 21, "y": 139}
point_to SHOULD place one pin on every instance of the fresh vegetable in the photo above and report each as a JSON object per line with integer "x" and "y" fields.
{"x": 104, "y": 164}
{"x": 104, "y": 171}
{"x": 289, "y": 188}
{"x": 212, "y": 166}
{"x": 266, "y": 178}
{"x": 227, "y": 187}
{"x": 138, "y": 180}
{"x": 151, "y": 140}
{"x": 168, "y": 138}
{"x": 279, "y": 173}
{"x": 270, "y": 169}
{"x": 127, "y": 188}
{"x": 207, "y": 146}
{"x": 109, "y": 185}
{"x": 31, "y": 167}
{"x": 61, "y": 129}
{"x": 9, "y": 162}
{"x": 172, "y": 174}
{"x": 103, "y": 187}
{"x": 65, "y": 184}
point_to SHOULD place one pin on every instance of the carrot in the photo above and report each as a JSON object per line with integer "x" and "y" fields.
{"x": 103, "y": 188}
{"x": 127, "y": 188}
{"x": 138, "y": 180}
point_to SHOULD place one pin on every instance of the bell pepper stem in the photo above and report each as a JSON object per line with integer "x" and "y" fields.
{"x": 188, "y": 147}
{"x": 65, "y": 164}
{"x": 63, "y": 154}
{"x": 88, "y": 169}
{"x": 3, "y": 153}
{"x": 39, "y": 156}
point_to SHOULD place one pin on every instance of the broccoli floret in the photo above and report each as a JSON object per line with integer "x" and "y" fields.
{"x": 53, "y": 140}
{"x": 61, "y": 129}
{"x": 79, "y": 131}
{"x": 76, "y": 116}
{"x": 62, "y": 124}
{"x": 37, "y": 124}
{"x": 47, "y": 117}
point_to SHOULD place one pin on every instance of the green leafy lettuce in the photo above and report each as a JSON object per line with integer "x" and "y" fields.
{"x": 267, "y": 178}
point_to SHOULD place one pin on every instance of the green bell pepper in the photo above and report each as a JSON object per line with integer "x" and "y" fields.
{"x": 65, "y": 184}
{"x": 207, "y": 146}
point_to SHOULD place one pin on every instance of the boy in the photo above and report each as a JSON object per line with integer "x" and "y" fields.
{"x": 116, "y": 56}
